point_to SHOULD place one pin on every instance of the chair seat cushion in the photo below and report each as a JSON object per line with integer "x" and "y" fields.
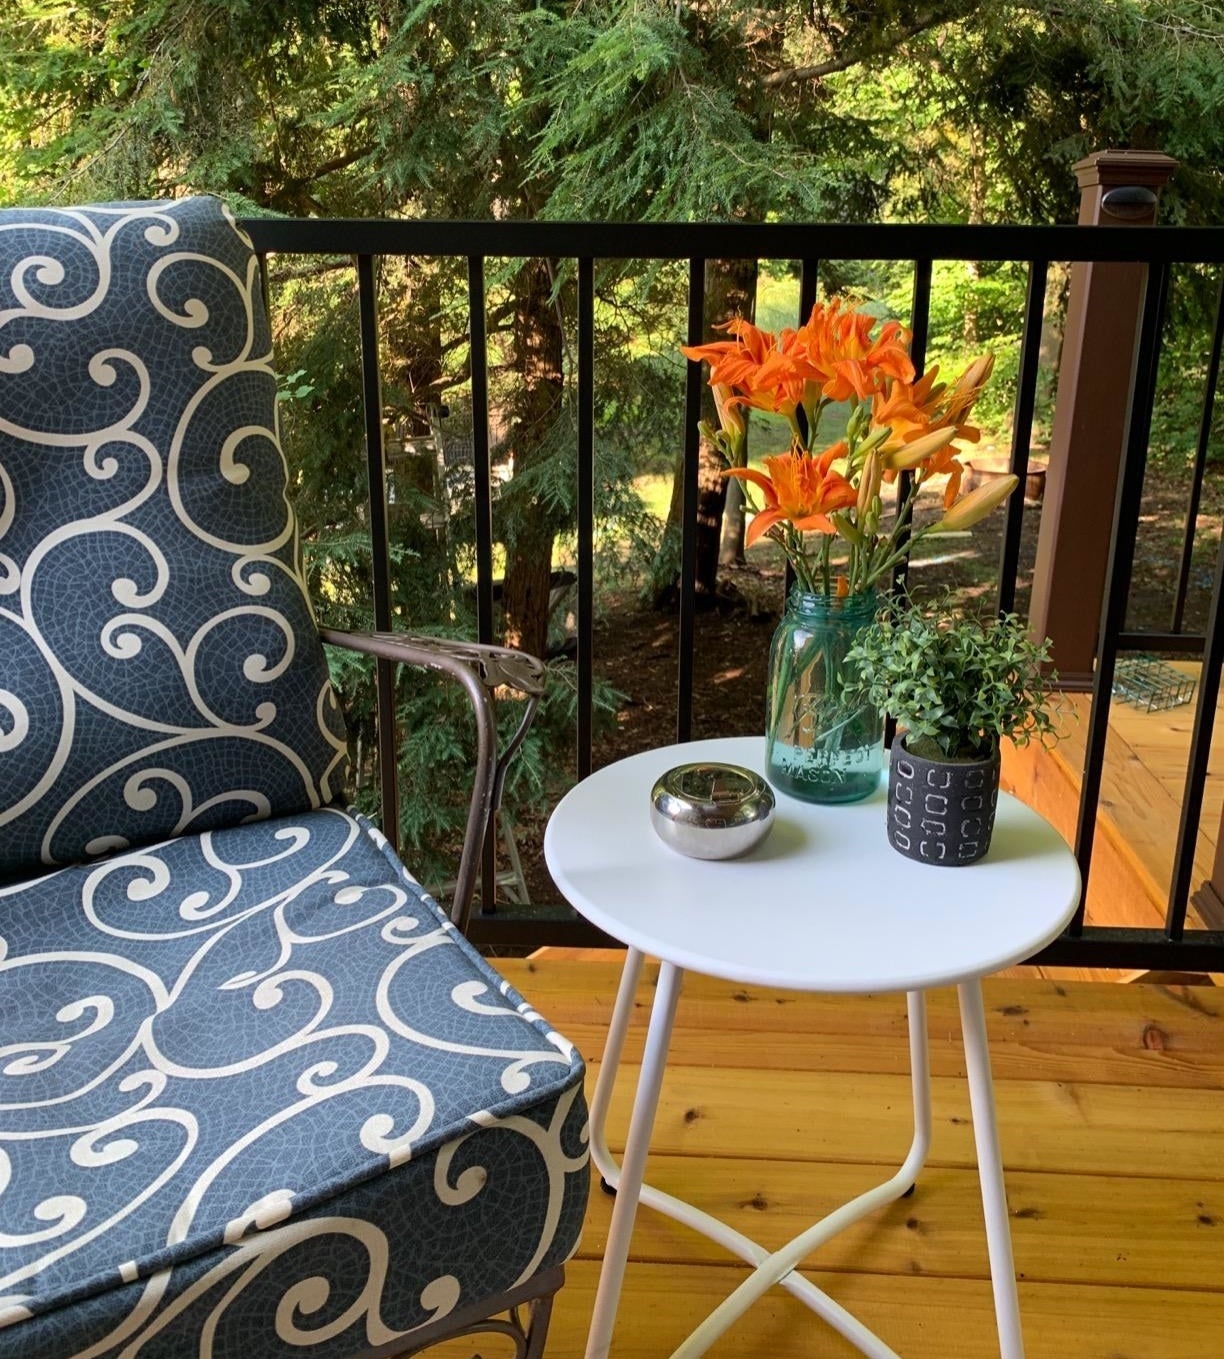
{"x": 254, "y": 1087}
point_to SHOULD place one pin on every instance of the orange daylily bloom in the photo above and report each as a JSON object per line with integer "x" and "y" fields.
{"x": 842, "y": 356}
{"x": 731, "y": 361}
{"x": 751, "y": 366}
{"x": 916, "y": 411}
{"x": 953, "y": 484}
{"x": 907, "y": 409}
{"x": 798, "y": 488}
{"x": 833, "y": 350}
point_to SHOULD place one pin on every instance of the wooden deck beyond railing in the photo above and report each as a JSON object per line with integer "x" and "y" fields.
{"x": 778, "y": 1106}
{"x": 1142, "y": 789}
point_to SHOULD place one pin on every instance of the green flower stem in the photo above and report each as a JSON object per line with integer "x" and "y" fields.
{"x": 868, "y": 565}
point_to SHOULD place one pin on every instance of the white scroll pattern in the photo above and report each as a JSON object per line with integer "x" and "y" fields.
{"x": 160, "y": 671}
{"x": 253, "y": 1083}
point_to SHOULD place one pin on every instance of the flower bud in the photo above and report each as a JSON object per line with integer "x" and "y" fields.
{"x": 914, "y": 454}
{"x": 977, "y": 504}
{"x": 730, "y": 417}
{"x": 869, "y": 484}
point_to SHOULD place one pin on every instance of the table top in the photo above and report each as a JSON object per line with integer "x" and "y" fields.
{"x": 824, "y": 903}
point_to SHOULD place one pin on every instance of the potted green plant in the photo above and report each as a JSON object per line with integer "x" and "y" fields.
{"x": 957, "y": 685}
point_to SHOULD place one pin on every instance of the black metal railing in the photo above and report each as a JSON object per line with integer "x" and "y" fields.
{"x": 1158, "y": 249}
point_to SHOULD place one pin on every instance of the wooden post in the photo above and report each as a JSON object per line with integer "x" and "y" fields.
{"x": 1120, "y": 189}
{"x": 1209, "y": 899}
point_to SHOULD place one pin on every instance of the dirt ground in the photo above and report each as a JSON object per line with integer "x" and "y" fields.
{"x": 636, "y": 647}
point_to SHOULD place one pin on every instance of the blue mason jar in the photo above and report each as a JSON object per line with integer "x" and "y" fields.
{"x": 819, "y": 746}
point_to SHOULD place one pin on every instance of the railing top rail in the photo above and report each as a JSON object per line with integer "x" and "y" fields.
{"x": 725, "y": 240}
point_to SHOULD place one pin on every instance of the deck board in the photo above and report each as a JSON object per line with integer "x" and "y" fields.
{"x": 921, "y": 1318}
{"x": 1142, "y": 788}
{"x": 1066, "y": 1228}
{"x": 1111, "y": 1105}
{"x": 1166, "y": 1036}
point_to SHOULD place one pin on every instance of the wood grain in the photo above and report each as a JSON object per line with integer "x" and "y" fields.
{"x": 777, "y": 1107}
{"x": 1079, "y": 1032}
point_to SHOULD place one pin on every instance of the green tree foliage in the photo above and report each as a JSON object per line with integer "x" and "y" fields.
{"x": 626, "y": 110}
{"x": 640, "y": 108}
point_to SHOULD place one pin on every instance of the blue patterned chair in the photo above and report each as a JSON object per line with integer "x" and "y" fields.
{"x": 258, "y": 1096}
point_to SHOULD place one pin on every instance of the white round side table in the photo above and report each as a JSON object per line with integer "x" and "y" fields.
{"x": 823, "y": 904}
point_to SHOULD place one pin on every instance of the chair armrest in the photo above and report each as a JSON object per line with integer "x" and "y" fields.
{"x": 481, "y": 669}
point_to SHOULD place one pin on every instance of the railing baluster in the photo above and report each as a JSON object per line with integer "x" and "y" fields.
{"x": 482, "y": 476}
{"x": 376, "y": 479}
{"x": 265, "y": 286}
{"x": 1121, "y": 563}
{"x": 1200, "y": 754}
{"x": 688, "y": 541}
{"x": 586, "y": 510}
{"x": 481, "y": 469}
{"x": 1200, "y": 465}
{"x": 1022, "y": 430}
{"x": 920, "y": 320}
{"x": 920, "y": 313}
{"x": 809, "y": 287}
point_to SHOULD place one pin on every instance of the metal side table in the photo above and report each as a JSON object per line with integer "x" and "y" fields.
{"x": 823, "y": 904}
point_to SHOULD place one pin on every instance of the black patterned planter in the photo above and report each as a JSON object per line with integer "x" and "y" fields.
{"x": 941, "y": 811}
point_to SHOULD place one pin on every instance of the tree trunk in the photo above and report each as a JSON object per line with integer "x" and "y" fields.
{"x": 534, "y": 410}
{"x": 730, "y": 290}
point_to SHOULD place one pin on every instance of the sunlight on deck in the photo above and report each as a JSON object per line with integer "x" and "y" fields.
{"x": 1144, "y": 776}
{"x": 777, "y": 1106}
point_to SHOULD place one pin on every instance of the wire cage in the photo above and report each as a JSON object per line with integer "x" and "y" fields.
{"x": 1151, "y": 684}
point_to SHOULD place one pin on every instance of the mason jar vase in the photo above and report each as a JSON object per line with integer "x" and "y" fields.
{"x": 820, "y": 745}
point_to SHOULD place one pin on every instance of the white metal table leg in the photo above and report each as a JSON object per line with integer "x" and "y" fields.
{"x": 990, "y": 1170}
{"x": 637, "y": 1145}
{"x": 614, "y": 1045}
{"x": 779, "y": 1267}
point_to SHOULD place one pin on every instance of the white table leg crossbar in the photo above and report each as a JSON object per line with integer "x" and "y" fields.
{"x": 778, "y": 1267}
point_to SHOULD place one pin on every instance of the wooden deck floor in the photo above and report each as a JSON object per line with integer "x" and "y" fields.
{"x": 1144, "y": 775}
{"x": 778, "y": 1106}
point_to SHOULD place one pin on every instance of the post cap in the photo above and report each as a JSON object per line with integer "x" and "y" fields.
{"x": 1152, "y": 169}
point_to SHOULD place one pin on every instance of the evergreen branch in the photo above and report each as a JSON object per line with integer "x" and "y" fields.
{"x": 317, "y": 269}
{"x": 889, "y": 42}
{"x": 329, "y": 167}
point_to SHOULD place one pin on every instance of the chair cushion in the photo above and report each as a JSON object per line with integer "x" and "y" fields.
{"x": 162, "y": 672}
{"x": 255, "y": 1083}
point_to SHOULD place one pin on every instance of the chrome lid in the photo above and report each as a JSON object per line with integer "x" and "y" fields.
{"x": 709, "y": 810}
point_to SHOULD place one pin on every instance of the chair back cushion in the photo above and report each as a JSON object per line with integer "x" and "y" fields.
{"x": 160, "y": 669}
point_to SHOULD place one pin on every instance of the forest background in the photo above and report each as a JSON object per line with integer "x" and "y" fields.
{"x": 624, "y": 110}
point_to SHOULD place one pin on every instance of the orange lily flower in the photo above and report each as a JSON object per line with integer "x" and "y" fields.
{"x": 917, "y": 411}
{"x": 752, "y": 366}
{"x": 837, "y": 346}
{"x": 732, "y": 361}
{"x": 908, "y": 409}
{"x": 833, "y": 350}
{"x": 800, "y": 489}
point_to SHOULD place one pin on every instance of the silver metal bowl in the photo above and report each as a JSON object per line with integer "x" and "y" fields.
{"x": 711, "y": 811}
